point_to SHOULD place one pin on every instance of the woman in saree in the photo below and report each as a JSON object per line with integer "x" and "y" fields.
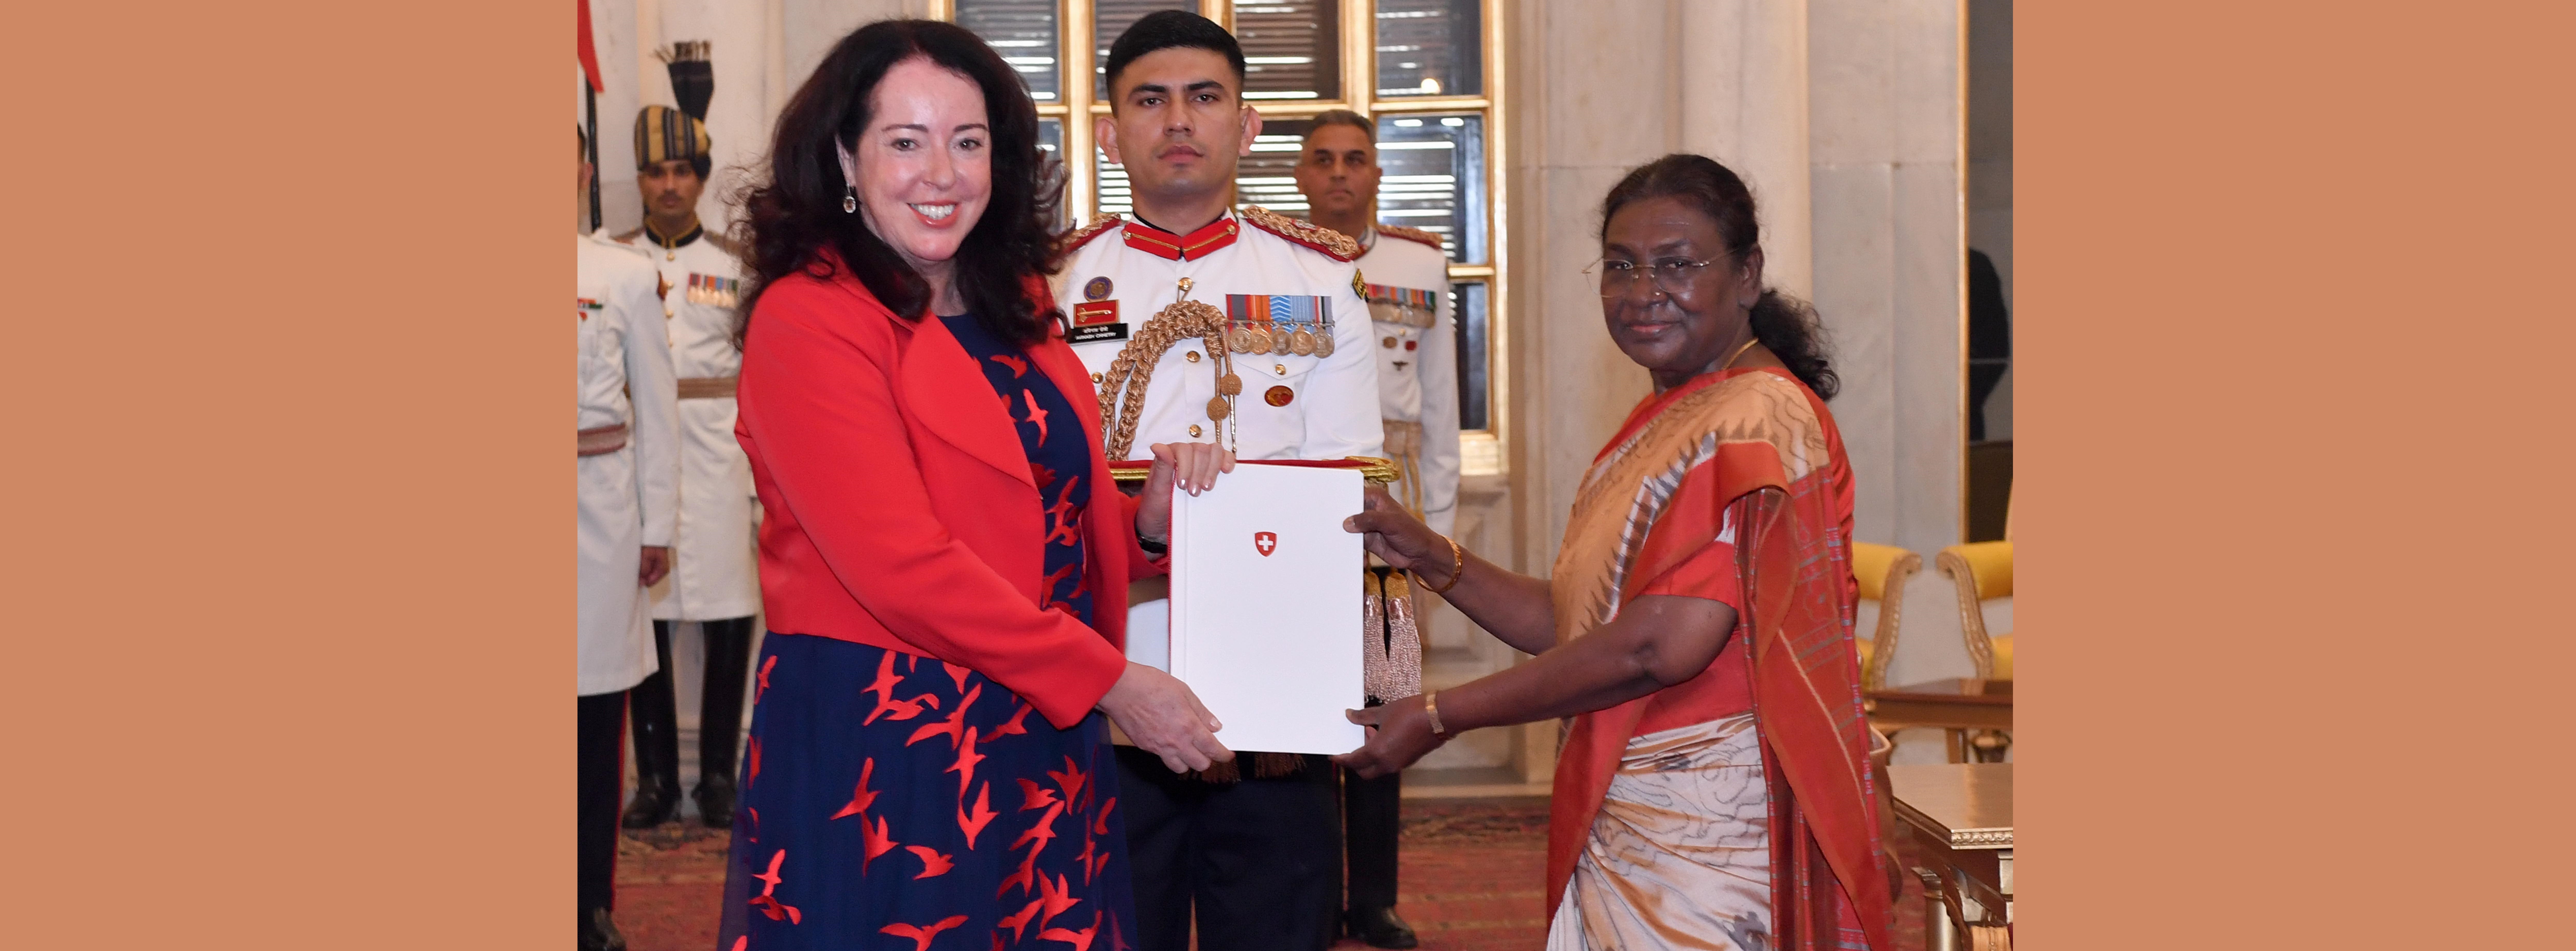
{"x": 1715, "y": 788}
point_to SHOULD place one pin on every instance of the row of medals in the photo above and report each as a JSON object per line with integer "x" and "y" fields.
{"x": 1256, "y": 338}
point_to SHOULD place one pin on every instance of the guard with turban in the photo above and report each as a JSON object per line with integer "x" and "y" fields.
{"x": 714, "y": 586}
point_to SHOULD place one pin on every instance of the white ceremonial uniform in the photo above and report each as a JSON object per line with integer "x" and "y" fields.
{"x": 714, "y": 567}
{"x": 1417, "y": 369}
{"x": 628, "y": 497}
{"x": 1118, "y": 274}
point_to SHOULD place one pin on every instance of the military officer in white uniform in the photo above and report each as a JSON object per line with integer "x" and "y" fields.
{"x": 1248, "y": 851}
{"x": 627, "y": 485}
{"x": 1416, "y": 347}
{"x": 714, "y": 577}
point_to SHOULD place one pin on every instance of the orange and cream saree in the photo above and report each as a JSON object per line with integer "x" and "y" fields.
{"x": 1736, "y": 809}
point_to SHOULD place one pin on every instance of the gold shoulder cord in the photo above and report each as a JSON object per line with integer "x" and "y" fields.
{"x": 1133, "y": 368}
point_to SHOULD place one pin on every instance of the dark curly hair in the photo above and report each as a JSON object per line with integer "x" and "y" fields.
{"x": 1785, "y": 325}
{"x": 792, "y": 216}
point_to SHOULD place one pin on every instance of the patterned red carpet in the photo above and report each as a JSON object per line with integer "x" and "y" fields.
{"x": 1472, "y": 879}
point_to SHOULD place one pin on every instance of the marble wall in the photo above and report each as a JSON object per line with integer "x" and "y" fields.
{"x": 763, "y": 50}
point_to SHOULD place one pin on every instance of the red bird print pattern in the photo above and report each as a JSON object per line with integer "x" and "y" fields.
{"x": 886, "y": 703}
{"x": 840, "y": 736}
{"x": 950, "y": 727}
{"x": 1080, "y": 940}
{"x": 1017, "y": 725}
{"x": 1041, "y": 833}
{"x": 1001, "y": 866}
{"x": 877, "y": 841}
{"x": 1057, "y": 894}
{"x": 933, "y": 864}
{"x": 860, "y": 799}
{"x": 965, "y": 765}
{"x": 1034, "y": 796}
{"x": 767, "y": 901}
{"x": 921, "y": 936}
{"x": 972, "y": 822}
{"x": 1037, "y": 414}
{"x": 1019, "y": 922}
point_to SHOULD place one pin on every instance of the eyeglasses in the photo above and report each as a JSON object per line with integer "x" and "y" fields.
{"x": 1672, "y": 276}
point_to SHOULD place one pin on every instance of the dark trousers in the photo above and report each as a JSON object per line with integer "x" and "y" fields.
{"x": 1255, "y": 859}
{"x": 1372, "y": 819}
{"x": 656, "y": 713}
{"x": 602, "y": 734}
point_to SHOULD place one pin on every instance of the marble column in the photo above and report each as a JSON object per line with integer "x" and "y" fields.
{"x": 1744, "y": 103}
{"x": 1886, "y": 194}
{"x": 1594, "y": 90}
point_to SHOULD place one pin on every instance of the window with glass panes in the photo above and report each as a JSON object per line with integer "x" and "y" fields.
{"x": 1424, "y": 69}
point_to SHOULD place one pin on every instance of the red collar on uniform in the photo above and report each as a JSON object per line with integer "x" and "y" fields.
{"x": 1175, "y": 247}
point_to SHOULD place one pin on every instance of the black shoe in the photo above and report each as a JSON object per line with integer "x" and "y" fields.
{"x": 1380, "y": 928}
{"x": 653, "y": 805}
{"x": 715, "y": 801}
{"x": 599, "y": 933}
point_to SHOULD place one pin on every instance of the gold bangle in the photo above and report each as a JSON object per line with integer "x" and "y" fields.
{"x": 1458, "y": 569}
{"x": 1431, "y": 709}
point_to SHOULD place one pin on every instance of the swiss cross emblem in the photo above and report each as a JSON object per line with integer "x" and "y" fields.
{"x": 1265, "y": 542}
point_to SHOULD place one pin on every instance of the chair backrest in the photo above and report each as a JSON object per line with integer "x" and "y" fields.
{"x": 1982, "y": 571}
{"x": 1882, "y": 571}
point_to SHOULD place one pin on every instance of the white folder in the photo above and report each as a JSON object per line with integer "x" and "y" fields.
{"x": 1266, "y": 606}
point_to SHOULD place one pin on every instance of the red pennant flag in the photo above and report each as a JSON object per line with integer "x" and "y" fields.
{"x": 589, "y": 53}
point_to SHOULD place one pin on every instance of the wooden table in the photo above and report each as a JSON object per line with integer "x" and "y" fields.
{"x": 1960, "y": 814}
{"x": 1959, "y": 706}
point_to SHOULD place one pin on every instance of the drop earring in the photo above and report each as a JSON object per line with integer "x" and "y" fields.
{"x": 850, "y": 201}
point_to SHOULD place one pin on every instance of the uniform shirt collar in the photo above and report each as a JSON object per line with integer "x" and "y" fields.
{"x": 695, "y": 232}
{"x": 1182, "y": 247}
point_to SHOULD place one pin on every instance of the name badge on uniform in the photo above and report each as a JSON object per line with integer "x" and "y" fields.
{"x": 583, "y": 307}
{"x": 1280, "y": 324}
{"x": 1095, "y": 321}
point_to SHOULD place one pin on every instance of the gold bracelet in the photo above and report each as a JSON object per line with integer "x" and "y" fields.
{"x": 1431, "y": 709}
{"x": 1458, "y": 562}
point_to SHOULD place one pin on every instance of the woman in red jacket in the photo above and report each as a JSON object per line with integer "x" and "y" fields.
{"x": 942, "y": 552}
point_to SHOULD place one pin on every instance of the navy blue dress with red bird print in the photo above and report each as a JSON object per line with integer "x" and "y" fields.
{"x": 896, "y": 801}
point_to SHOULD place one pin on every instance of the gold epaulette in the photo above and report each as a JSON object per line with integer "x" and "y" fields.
{"x": 1334, "y": 244}
{"x": 629, "y": 237}
{"x": 1410, "y": 234}
{"x": 726, "y": 244}
{"x": 1070, "y": 240}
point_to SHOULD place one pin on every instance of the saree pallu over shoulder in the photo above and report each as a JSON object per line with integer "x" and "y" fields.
{"x": 1748, "y": 458}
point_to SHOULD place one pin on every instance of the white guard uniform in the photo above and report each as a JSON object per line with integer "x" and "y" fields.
{"x": 1417, "y": 369}
{"x": 1118, "y": 274}
{"x": 714, "y": 568}
{"x": 629, "y": 494}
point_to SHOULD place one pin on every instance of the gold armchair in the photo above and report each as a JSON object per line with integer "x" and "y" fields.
{"x": 1983, "y": 571}
{"x": 1881, "y": 571}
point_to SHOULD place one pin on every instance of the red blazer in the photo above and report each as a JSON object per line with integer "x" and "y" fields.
{"x": 898, "y": 506}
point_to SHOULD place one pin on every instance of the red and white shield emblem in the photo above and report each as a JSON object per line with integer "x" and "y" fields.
{"x": 1265, "y": 542}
